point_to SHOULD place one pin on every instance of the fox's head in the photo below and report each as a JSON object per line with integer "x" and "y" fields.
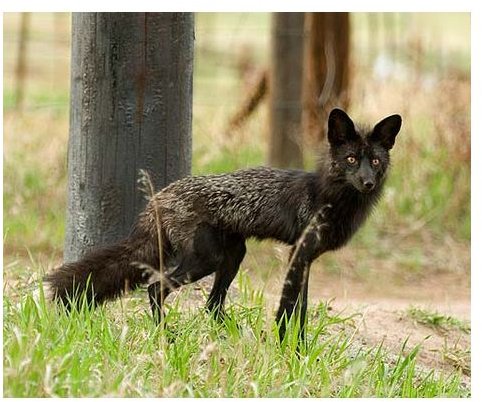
{"x": 361, "y": 157}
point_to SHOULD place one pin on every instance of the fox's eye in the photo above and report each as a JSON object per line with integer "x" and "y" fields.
{"x": 375, "y": 162}
{"x": 351, "y": 159}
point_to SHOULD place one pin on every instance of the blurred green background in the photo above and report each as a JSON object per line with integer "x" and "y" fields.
{"x": 415, "y": 64}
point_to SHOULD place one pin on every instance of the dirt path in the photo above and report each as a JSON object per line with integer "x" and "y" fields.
{"x": 388, "y": 320}
{"x": 389, "y": 315}
{"x": 382, "y": 313}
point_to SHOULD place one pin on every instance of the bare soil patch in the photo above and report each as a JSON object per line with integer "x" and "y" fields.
{"x": 381, "y": 313}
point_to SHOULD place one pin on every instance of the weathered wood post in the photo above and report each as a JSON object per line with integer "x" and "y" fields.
{"x": 131, "y": 109}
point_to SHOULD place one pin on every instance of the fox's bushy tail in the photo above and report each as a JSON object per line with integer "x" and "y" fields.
{"x": 105, "y": 273}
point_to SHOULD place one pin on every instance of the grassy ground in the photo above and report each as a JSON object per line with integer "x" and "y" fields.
{"x": 117, "y": 351}
{"x": 416, "y": 243}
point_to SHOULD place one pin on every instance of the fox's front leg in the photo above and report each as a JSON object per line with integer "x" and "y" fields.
{"x": 295, "y": 289}
{"x": 295, "y": 293}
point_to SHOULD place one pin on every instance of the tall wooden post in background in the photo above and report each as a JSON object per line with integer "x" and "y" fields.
{"x": 21, "y": 64}
{"x": 285, "y": 143}
{"x": 327, "y": 69}
{"x": 131, "y": 109}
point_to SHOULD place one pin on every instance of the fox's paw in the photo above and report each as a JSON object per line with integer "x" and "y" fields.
{"x": 325, "y": 211}
{"x": 148, "y": 273}
{"x": 322, "y": 217}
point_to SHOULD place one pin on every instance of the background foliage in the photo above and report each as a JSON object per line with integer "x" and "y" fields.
{"x": 416, "y": 242}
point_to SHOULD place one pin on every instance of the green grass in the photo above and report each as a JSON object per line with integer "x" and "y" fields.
{"x": 55, "y": 100}
{"x": 437, "y": 320}
{"x": 117, "y": 351}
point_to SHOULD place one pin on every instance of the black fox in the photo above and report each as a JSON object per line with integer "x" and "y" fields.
{"x": 205, "y": 221}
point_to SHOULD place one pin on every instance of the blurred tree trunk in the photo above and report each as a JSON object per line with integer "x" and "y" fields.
{"x": 327, "y": 73}
{"x": 131, "y": 109}
{"x": 285, "y": 142}
{"x": 21, "y": 65}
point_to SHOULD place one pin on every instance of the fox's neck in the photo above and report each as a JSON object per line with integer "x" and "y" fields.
{"x": 349, "y": 207}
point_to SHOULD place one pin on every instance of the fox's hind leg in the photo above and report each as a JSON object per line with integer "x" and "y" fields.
{"x": 204, "y": 256}
{"x": 191, "y": 269}
{"x": 234, "y": 252}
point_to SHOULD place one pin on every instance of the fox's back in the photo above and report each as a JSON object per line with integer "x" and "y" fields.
{"x": 258, "y": 202}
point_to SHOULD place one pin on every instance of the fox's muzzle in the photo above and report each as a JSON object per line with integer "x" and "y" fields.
{"x": 366, "y": 177}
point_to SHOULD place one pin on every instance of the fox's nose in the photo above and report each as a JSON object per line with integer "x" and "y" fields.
{"x": 369, "y": 184}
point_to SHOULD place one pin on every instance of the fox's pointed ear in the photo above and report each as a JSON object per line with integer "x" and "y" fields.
{"x": 386, "y": 130}
{"x": 340, "y": 127}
